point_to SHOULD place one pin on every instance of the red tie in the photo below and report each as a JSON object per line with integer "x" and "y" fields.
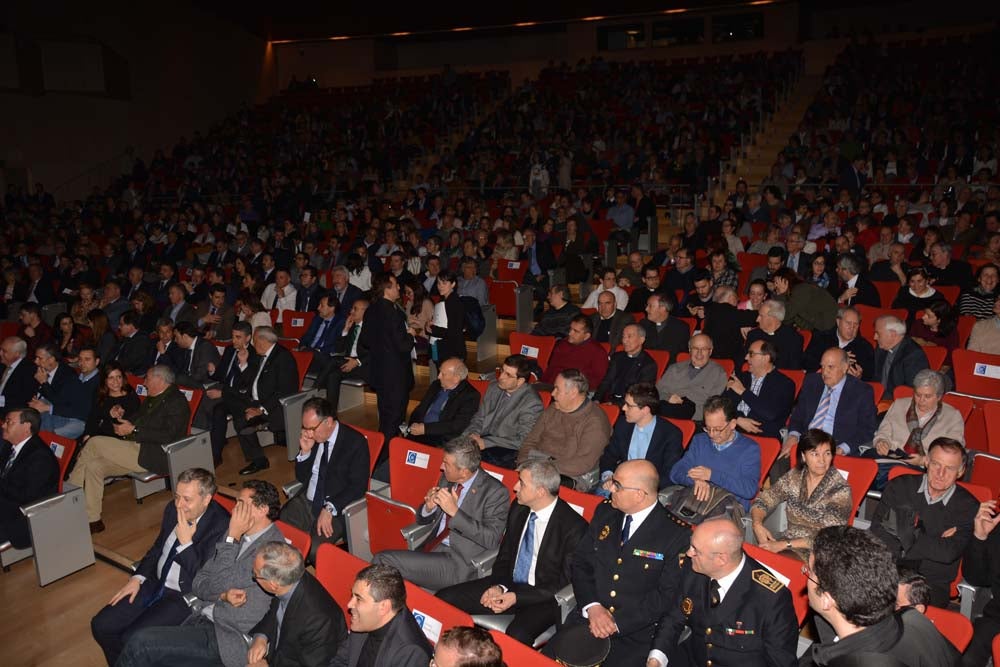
{"x": 432, "y": 544}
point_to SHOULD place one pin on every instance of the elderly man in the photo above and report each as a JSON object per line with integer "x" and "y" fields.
{"x": 721, "y": 587}
{"x": 65, "y": 396}
{"x": 785, "y": 339}
{"x": 463, "y": 517}
{"x": 506, "y": 414}
{"x": 724, "y": 321}
{"x": 856, "y": 290}
{"x": 467, "y": 647}
{"x": 852, "y": 585}
{"x": 892, "y": 269}
{"x": 627, "y": 367}
{"x": 18, "y": 384}
{"x": 28, "y": 472}
{"x": 608, "y": 322}
{"x": 162, "y": 418}
{"x": 845, "y": 336}
{"x": 763, "y": 395}
{"x": 609, "y": 283}
{"x": 625, "y": 599}
{"x": 447, "y": 408}
{"x": 556, "y": 320}
{"x": 192, "y": 525}
{"x": 686, "y": 384}
{"x": 572, "y": 433}
{"x": 947, "y": 271}
{"x": 662, "y": 331}
{"x": 112, "y": 302}
{"x": 578, "y": 350}
{"x": 926, "y": 520}
{"x": 178, "y": 309}
{"x": 344, "y": 292}
{"x": 633, "y": 270}
{"x": 721, "y": 456}
{"x": 641, "y": 435}
{"x": 534, "y": 559}
{"x": 898, "y": 358}
{"x": 798, "y": 260}
{"x": 471, "y": 285}
{"x": 383, "y": 631}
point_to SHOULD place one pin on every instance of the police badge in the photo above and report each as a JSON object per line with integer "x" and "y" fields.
{"x": 604, "y": 532}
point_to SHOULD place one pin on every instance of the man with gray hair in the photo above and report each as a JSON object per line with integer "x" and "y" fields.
{"x": 785, "y": 339}
{"x": 855, "y": 289}
{"x": 572, "y": 433}
{"x": 447, "y": 407}
{"x": 944, "y": 270}
{"x": 534, "y": 559}
{"x": 163, "y": 418}
{"x": 461, "y": 518}
{"x": 627, "y": 367}
{"x": 17, "y": 385}
{"x": 898, "y": 358}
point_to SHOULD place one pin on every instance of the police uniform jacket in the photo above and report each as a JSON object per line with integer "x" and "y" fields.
{"x": 755, "y": 624}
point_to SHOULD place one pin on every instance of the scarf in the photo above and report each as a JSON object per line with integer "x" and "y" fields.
{"x": 914, "y": 444}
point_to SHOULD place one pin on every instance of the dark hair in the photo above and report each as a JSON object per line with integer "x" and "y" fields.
{"x": 265, "y": 495}
{"x": 320, "y": 406}
{"x": 812, "y": 439}
{"x": 920, "y": 590}
{"x": 916, "y": 270}
{"x": 243, "y": 327}
{"x": 475, "y": 646}
{"x": 31, "y": 308}
{"x": 789, "y": 276}
{"x": 585, "y": 321}
{"x": 385, "y": 583}
{"x": 186, "y": 328}
{"x": 521, "y": 363}
{"x": 90, "y": 348}
{"x": 757, "y": 281}
{"x": 448, "y": 277}
{"x": 767, "y": 347}
{"x": 99, "y": 323}
{"x": 858, "y": 571}
{"x": 560, "y": 289}
{"x": 216, "y": 288}
{"x": 380, "y": 284}
{"x": 948, "y": 320}
{"x": 645, "y": 395}
{"x": 717, "y": 403}
{"x": 30, "y": 416}
{"x": 102, "y": 386}
{"x": 701, "y": 275}
{"x": 51, "y": 349}
{"x": 776, "y": 251}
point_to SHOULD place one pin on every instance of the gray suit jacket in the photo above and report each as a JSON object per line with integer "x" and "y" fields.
{"x": 226, "y": 570}
{"x": 709, "y": 382}
{"x": 479, "y": 523}
{"x": 506, "y": 427}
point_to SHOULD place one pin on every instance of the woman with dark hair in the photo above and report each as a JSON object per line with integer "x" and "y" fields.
{"x": 819, "y": 276}
{"x": 358, "y": 273}
{"x": 116, "y": 402}
{"x": 419, "y": 309}
{"x": 250, "y": 309}
{"x": 101, "y": 334}
{"x": 142, "y": 304}
{"x": 447, "y": 329}
{"x": 916, "y": 295}
{"x": 979, "y": 300}
{"x": 68, "y": 337}
{"x": 756, "y": 295}
{"x": 815, "y": 496}
{"x": 807, "y": 306}
{"x": 938, "y": 326}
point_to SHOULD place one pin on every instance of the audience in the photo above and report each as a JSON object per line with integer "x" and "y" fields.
{"x": 65, "y": 396}
{"x": 627, "y": 367}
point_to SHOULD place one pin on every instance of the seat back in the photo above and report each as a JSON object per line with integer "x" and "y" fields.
{"x": 385, "y": 519}
{"x": 511, "y": 270}
{"x": 887, "y": 290}
{"x": 302, "y": 361}
{"x": 375, "y": 442}
{"x": 584, "y": 503}
{"x": 503, "y": 475}
{"x": 296, "y": 323}
{"x": 687, "y": 428}
{"x": 976, "y": 373}
{"x": 193, "y": 397}
{"x": 935, "y": 356}
{"x": 537, "y": 347}
{"x": 789, "y": 571}
{"x": 481, "y": 386}
{"x": 952, "y": 625}
{"x": 227, "y": 502}
{"x": 63, "y": 449}
{"x": 336, "y": 571}
{"x": 991, "y": 415}
{"x": 413, "y": 468}
{"x": 949, "y": 292}
{"x": 769, "y": 450}
{"x": 798, "y": 377}
{"x": 502, "y": 295}
{"x": 297, "y": 537}
{"x": 611, "y": 411}
{"x": 546, "y": 397}
{"x": 662, "y": 359}
{"x": 434, "y": 616}
{"x": 859, "y": 474}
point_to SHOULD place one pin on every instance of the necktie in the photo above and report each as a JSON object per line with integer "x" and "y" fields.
{"x": 713, "y": 593}
{"x": 319, "y": 494}
{"x": 351, "y": 337}
{"x": 212, "y": 310}
{"x": 522, "y": 565}
{"x": 305, "y": 306}
{"x": 626, "y": 529}
{"x": 319, "y": 333}
{"x": 6, "y": 376}
{"x": 434, "y": 411}
{"x": 10, "y": 464}
{"x": 822, "y": 409}
{"x": 162, "y": 586}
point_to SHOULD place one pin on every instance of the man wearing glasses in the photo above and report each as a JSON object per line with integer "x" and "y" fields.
{"x": 332, "y": 465}
{"x": 686, "y": 384}
{"x": 624, "y": 575}
{"x": 738, "y": 612}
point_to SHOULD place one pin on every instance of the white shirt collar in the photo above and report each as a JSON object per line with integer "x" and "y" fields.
{"x": 639, "y": 517}
{"x": 545, "y": 513}
{"x": 726, "y": 582}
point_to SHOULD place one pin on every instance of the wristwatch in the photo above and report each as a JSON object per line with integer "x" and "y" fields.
{"x": 788, "y": 544}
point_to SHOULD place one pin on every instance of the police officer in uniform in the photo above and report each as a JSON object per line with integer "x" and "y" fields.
{"x": 623, "y": 575}
{"x": 739, "y": 614}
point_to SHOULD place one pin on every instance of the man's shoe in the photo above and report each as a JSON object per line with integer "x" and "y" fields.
{"x": 255, "y": 467}
{"x": 259, "y": 420}
{"x": 96, "y": 527}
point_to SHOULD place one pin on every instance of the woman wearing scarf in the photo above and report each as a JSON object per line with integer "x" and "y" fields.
{"x": 913, "y": 421}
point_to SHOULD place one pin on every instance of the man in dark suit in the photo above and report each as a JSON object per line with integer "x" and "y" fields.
{"x": 642, "y": 435}
{"x": 38, "y": 288}
{"x": 17, "y": 384}
{"x": 845, "y": 336}
{"x": 195, "y": 355}
{"x": 303, "y": 626}
{"x": 237, "y": 359}
{"x": 215, "y": 316}
{"x": 853, "y": 178}
{"x": 344, "y": 294}
{"x": 608, "y": 322}
{"x": 65, "y": 396}
{"x": 177, "y": 307}
{"x": 333, "y": 467}
{"x": 724, "y": 322}
{"x": 763, "y": 395}
{"x": 898, "y": 358}
{"x": 856, "y": 290}
{"x": 28, "y": 472}
{"x": 165, "y": 351}
{"x": 947, "y": 271}
{"x": 161, "y": 289}
{"x": 221, "y": 256}
{"x": 534, "y": 559}
{"x": 191, "y": 526}
{"x": 627, "y": 367}
{"x": 307, "y": 291}
{"x": 798, "y": 261}
{"x": 622, "y": 578}
{"x": 650, "y": 286}
{"x": 378, "y": 612}
{"x": 461, "y": 518}
{"x": 447, "y": 408}
{"x": 721, "y": 587}
{"x": 135, "y": 349}
{"x": 662, "y": 331}
{"x": 256, "y": 402}
{"x": 388, "y": 340}
{"x": 33, "y": 330}
{"x": 785, "y": 339}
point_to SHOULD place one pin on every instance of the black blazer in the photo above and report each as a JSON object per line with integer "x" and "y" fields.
{"x": 344, "y": 304}
{"x": 224, "y": 366}
{"x": 786, "y": 340}
{"x": 44, "y": 293}
{"x": 771, "y": 406}
{"x": 555, "y": 553}
{"x": 623, "y": 372}
{"x": 212, "y": 527}
{"x": 867, "y": 294}
{"x": 279, "y": 378}
{"x": 173, "y": 357}
{"x": 854, "y": 421}
{"x": 388, "y": 346}
{"x": 666, "y": 447}
{"x": 722, "y": 324}
{"x": 347, "y": 468}
{"x": 302, "y": 303}
{"x": 404, "y": 644}
{"x": 452, "y": 338}
{"x": 672, "y": 337}
{"x": 822, "y": 341}
{"x": 456, "y": 414}
{"x": 33, "y": 476}
{"x": 618, "y": 323}
{"x": 908, "y": 360}
{"x": 21, "y": 386}
{"x": 311, "y": 631}
{"x": 543, "y": 255}
{"x": 135, "y": 353}
{"x": 205, "y": 353}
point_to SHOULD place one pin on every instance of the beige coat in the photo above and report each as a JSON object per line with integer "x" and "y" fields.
{"x": 894, "y": 430}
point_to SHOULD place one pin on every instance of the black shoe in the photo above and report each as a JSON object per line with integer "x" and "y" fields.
{"x": 256, "y": 466}
{"x": 259, "y": 420}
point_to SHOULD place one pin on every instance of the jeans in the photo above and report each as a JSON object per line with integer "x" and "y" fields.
{"x": 189, "y": 645}
{"x": 64, "y": 426}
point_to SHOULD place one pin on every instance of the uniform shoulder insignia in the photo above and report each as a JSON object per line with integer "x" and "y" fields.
{"x": 767, "y": 580}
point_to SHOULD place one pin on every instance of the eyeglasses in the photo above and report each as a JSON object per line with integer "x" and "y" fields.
{"x": 806, "y": 570}
{"x": 712, "y": 429}
{"x": 630, "y": 405}
{"x": 616, "y": 486}
{"x": 700, "y": 349}
{"x": 310, "y": 429}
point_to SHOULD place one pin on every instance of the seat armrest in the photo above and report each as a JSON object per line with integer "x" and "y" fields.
{"x": 292, "y": 488}
{"x": 49, "y": 501}
{"x": 566, "y": 599}
{"x": 186, "y": 441}
{"x": 190, "y": 599}
{"x": 415, "y": 534}
{"x": 484, "y": 562}
{"x": 360, "y": 503}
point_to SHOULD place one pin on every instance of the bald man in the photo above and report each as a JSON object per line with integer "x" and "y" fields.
{"x": 624, "y": 574}
{"x": 447, "y": 408}
{"x": 738, "y": 612}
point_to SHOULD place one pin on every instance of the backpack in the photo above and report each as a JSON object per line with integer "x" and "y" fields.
{"x": 475, "y": 323}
